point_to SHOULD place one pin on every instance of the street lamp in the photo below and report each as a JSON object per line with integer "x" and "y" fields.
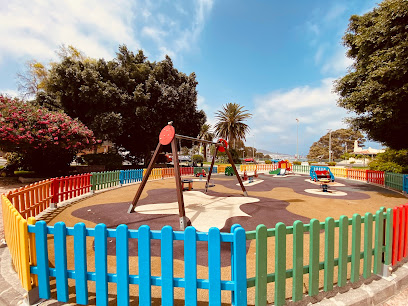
{"x": 297, "y": 138}
{"x": 329, "y": 144}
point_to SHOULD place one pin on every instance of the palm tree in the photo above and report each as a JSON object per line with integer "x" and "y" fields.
{"x": 230, "y": 125}
{"x": 206, "y": 134}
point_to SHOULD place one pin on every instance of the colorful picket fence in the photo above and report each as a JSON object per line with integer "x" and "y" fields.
{"x": 394, "y": 181}
{"x": 30, "y": 200}
{"x": 130, "y": 176}
{"x": 221, "y": 168}
{"x": 65, "y": 188}
{"x": 389, "y": 235}
{"x": 301, "y": 168}
{"x": 372, "y": 255}
{"x": 16, "y": 234}
{"x": 375, "y": 177}
{"x": 339, "y": 172}
{"x": 400, "y": 233}
{"x": 145, "y": 280}
{"x": 106, "y": 179}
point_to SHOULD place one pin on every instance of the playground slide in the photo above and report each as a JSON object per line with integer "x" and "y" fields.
{"x": 278, "y": 171}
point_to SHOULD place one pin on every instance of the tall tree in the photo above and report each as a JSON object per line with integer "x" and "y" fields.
{"x": 342, "y": 140}
{"x": 376, "y": 88}
{"x": 230, "y": 123}
{"x": 206, "y": 134}
{"x": 127, "y": 100}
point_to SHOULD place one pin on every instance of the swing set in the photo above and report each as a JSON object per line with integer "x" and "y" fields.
{"x": 168, "y": 136}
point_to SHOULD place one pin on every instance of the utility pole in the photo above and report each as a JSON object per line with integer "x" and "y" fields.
{"x": 297, "y": 138}
{"x": 329, "y": 144}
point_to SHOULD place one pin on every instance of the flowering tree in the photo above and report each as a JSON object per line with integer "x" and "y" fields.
{"x": 46, "y": 140}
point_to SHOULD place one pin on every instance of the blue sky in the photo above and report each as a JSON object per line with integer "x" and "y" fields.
{"x": 276, "y": 58}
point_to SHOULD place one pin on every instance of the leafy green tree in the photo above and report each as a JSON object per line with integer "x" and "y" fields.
{"x": 46, "y": 141}
{"x": 391, "y": 160}
{"x": 340, "y": 139}
{"x": 376, "y": 88}
{"x": 127, "y": 100}
{"x": 230, "y": 123}
{"x": 206, "y": 134}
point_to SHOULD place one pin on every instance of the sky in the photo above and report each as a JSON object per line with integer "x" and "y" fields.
{"x": 278, "y": 59}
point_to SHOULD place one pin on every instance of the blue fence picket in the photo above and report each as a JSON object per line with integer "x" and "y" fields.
{"x": 122, "y": 264}
{"x": 41, "y": 246}
{"x": 101, "y": 264}
{"x": 190, "y": 265}
{"x": 60, "y": 249}
{"x": 145, "y": 268}
{"x": 238, "y": 266}
{"x": 167, "y": 265}
{"x": 214, "y": 266}
{"x": 237, "y": 284}
{"x": 131, "y": 176}
{"x": 405, "y": 183}
{"x": 81, "y": 284}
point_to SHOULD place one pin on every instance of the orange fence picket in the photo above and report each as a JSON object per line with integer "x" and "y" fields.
{"x": 32, "y": 199}
{"x": 357, "y": 174}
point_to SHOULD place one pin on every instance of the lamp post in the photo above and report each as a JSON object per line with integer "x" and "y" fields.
{"x": 329, "y": 145}
{"x": 297, "y": 138}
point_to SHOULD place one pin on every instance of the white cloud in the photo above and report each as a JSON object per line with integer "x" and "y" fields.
{"x": 9, "y": 93}
{"x": 274, "y": 124}
{"x": 337, "y": 64}
{"x": 35, "y": 29}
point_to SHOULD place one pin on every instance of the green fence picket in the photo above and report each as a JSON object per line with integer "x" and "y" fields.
{"x": 328, "y": 254}
{"x": 355, "y": 248}
{"x": 394, "y": 180}
{"x": 261, "y": 265}
{"x": 368, "y": 244}
{"x": 343, "y": 250}
{"x": 314, "y": 244}
{"x": 297, "y": 287}
{"x": 378, "y": 242}
{"x": 280, "y": 264}
{"x": 388, "y": 236}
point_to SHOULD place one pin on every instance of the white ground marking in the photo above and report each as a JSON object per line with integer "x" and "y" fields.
{"x": 203, "y": 210}
{"x": 332, "y": 184}
{"x": 330, "y": 193}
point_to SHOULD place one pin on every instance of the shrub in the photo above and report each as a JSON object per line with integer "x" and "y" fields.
{"x": 331, "y": 163}
{"x": 47, "y": 141}
{"x": 312, "y": 162}
{"x": 198, "y": 158}
{"x": 297, "y": 163}
{"x": 391, "y": 160}
{"x": 267, "y": 161}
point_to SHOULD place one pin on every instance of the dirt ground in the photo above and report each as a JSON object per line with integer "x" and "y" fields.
{"x": 270, "y": 200}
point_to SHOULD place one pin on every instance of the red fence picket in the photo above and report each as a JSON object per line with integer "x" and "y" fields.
{"x": 187, "y": 170}
{"x": 65, "y": 188}
{"x": 375, "y": 177}
{"x": 400, "y": 233}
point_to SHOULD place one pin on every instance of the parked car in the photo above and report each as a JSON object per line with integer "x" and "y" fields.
{"x": 184, "y": 158}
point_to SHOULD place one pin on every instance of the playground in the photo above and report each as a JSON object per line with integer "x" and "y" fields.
{"x": 270, "y": 200}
